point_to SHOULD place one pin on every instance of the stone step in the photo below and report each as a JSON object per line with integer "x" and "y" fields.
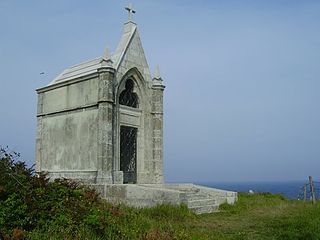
{"x": 194, "y": 196}
{"x": 190, "y": 190}
{"x": 201, "y": 202}
{"x": 205, "y": 209}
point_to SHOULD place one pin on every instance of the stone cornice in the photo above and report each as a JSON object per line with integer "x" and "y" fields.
{"x": 158, "y": 87}
{"x": 106, "y": 69}
{"x": 68, "y": 82}
{"x": 69, "y": 110}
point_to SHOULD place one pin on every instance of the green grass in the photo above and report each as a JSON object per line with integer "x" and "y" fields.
{"x": 258, "y": 216}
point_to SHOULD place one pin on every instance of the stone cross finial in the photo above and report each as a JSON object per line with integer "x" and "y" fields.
{"x": 130, "y": 10}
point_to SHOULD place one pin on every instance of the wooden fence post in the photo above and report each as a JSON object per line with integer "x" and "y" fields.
{"x": 313, "y": 195}
{"x": 305, "y": 192}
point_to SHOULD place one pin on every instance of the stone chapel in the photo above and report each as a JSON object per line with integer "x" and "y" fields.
{"x": 101, "y": 121}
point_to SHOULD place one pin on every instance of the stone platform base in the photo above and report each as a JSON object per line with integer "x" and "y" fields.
{"x": 198, "y": 198}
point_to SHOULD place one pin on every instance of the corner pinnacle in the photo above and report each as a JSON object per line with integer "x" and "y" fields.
{"x": 157, "y": 75}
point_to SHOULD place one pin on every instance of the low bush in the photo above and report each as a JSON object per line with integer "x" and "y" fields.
{"x": 29, "y": 201}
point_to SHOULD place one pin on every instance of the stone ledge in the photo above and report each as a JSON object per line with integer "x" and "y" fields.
{"x": 149, "y": 195}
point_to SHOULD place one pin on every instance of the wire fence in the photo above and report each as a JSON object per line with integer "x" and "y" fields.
{"x": 310, "y": 191}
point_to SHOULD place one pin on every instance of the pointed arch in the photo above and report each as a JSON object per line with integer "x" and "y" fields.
{"x": 128, "y": 97}
{"x": 126, "y": 93}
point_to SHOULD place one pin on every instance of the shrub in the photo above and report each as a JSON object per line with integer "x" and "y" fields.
{"x": 29, "y": 201}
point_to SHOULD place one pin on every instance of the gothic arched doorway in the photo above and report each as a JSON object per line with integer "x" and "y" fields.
{"x": 129, "y": 103}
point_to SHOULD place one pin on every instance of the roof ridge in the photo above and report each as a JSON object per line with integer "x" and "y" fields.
{"x": 76, "y": 65}
{"x": 125, "y": 40}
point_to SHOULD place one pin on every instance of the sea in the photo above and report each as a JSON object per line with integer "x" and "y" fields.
{"x": 289, "y": 189}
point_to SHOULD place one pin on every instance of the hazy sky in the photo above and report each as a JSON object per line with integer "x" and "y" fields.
{"x": 242, "y": 78}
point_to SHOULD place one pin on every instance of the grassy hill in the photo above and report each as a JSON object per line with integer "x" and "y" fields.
{"x": 31, "y": 207}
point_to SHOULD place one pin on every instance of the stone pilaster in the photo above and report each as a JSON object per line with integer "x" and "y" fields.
{"x": 105, "y": 125}
{"x": 39, "y": 145}
{"x": 157, "y": 133}
{"x": 39, "y": 133}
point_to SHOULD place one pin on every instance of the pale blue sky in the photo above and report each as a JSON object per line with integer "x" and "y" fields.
{"x": 242, "y": 77}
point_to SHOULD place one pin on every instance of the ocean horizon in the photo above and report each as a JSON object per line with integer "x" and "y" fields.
{"x": 289, "y": 189}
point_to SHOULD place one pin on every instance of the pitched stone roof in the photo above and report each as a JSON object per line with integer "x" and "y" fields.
{"x": 92, "y": 66}
{"x": 78, "y": 70}
{"x": 128, "y": 33}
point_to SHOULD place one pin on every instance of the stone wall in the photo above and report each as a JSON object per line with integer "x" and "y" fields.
{"x": 67, "y": 131}
{"x": 69, "y": 97}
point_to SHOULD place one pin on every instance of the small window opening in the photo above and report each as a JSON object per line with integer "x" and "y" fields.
{"x": 127, "y": 96}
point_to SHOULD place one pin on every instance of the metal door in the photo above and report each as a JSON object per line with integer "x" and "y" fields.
{"x": 128, "y": 154}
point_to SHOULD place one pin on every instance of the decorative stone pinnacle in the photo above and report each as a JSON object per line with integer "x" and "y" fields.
{"x": 157, "y": 75}
{"x": 157, "y": 82}
{"x": 106, "y": 59}
{"x": 131, "y": 11}
{"x": 106, "y": 54}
